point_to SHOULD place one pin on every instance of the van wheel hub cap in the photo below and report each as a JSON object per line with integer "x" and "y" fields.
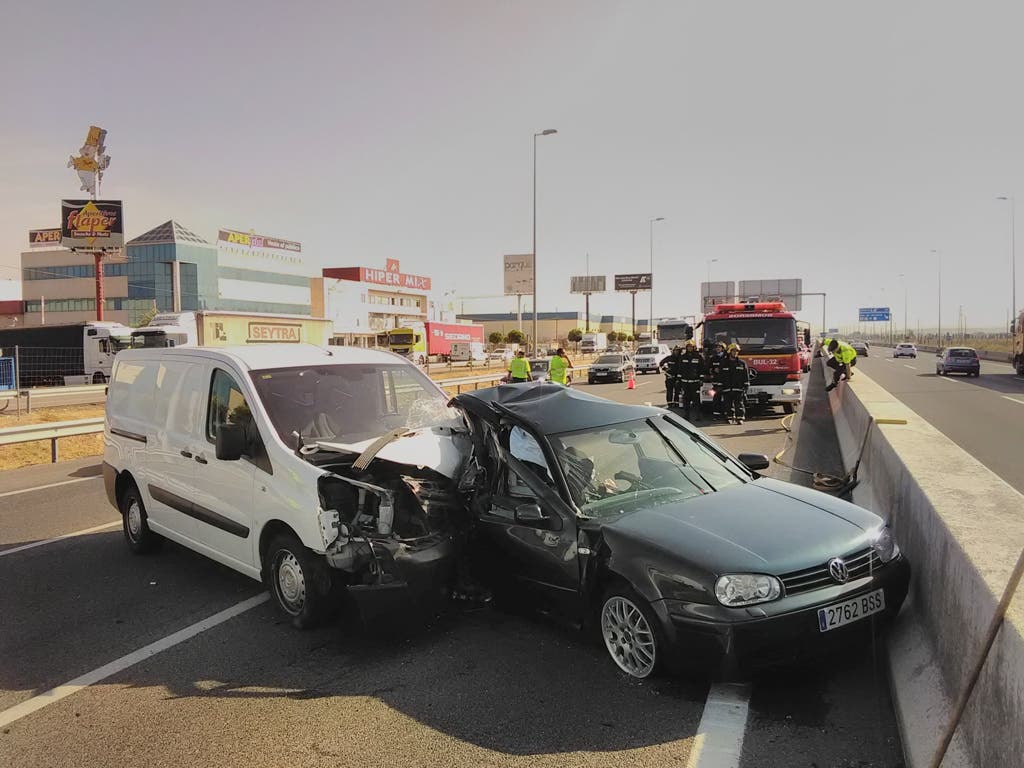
{"x": 135, "y": 520}
{"x": 628, "y": 637}
{"x": 291, "y": 583}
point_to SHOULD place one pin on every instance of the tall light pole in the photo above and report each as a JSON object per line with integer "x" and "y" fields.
{"x": 650, "y": 319}
{"x": 1013, "y": 259}
{"x": 710, "y": 262}
{"x": 903, "y": 278}
{"x": 545, "y": 132}
{"x": 939, "y": 257}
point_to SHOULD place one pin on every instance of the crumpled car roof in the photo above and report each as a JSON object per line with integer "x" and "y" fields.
{"x": 550, "y": 408}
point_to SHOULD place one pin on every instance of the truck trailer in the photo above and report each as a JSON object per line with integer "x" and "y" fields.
{"x": 431, "y": 341}
{"x": 210, "y": 328}
{"x": 52, "y": 355}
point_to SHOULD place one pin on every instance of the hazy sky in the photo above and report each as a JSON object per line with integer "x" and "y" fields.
{"x": 836, "y": 142}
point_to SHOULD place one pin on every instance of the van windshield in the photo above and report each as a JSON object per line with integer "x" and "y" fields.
{"x": 350, "y": 403}
{"x": 647, "y": 351}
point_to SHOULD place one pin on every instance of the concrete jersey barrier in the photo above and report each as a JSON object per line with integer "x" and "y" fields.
{"x": 963, "y": 529}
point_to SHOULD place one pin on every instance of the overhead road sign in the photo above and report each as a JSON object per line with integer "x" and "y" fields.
{"x": 641, "y": 281}
{"x": 874, "y": 314}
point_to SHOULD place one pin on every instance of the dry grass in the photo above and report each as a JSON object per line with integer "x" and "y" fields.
{"x": 38, "y": 452}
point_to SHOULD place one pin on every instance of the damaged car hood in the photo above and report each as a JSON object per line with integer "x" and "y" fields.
{"x": 439, "y": 448}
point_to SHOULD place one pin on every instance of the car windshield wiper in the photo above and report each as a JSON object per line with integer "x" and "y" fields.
{"x": 675, "y": 450}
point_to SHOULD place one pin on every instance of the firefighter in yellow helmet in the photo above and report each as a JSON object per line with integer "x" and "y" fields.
{"x": 734, "y": 377}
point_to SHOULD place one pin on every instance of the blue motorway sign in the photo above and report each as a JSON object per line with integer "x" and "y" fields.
{"x": 873, "y": 314}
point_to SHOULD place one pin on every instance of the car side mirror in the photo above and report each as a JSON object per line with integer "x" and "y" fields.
{"x": 530, "y": 514}
{"x": 754, "y": 461}
{"x": 230, "y": 442}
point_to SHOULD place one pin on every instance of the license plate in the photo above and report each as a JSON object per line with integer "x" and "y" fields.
{"x": 600, "y": 373}
{"x": 849, "y": 611}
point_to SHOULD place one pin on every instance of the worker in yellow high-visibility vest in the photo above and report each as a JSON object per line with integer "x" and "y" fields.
{"x": 559, "y": 368}
{"x": 519, "y": 368}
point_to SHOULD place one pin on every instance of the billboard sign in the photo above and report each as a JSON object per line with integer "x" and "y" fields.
{"x": 587, "y": 284}
{"x": 723, "y": 292}
{"x": 874, "y": 314}
{"x": 635, "y": 282}
{"x": 91, "y": 225}
{"x": 395, "y": 278}
{"x": 518, "y": 274}
{"x": 248, "y": 250}
{"x": 788, "y": 291}
{"x": 44, "y": 237}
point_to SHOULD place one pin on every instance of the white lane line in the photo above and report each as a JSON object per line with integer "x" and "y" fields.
{"x": 49, "y": 485}
{"x": 719, "y": 739}
{"x": 23, "y": 547}
{"x": 888, "y": 360}
{"x": 911, "y": 367}
{"x": 53, "y": 695}
{"x": 1013, "y": 399}
{"x": 947, "y": 378}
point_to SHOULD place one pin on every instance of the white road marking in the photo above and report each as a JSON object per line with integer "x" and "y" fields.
{"x": 889, "y": 360}
{"x": 49, "y": 485}
{"x": 911, "y": 367}
{"x": 23, "y": 547}
{"x": 1013, "y": 399}
{"x": 719, "y": 739}
{"x": 946, "y": 378}
{"x": 53, "y": 695}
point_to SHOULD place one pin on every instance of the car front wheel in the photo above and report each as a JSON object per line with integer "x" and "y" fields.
{"x": 298, "y": 581}
{"x": 631, "y": 632}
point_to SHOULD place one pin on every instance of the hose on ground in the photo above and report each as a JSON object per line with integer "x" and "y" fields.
{"x": 820, "y": 481}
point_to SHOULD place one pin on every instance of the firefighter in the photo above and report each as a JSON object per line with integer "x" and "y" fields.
{"x": 844, "y": 357}
{"x": 713, "y": 367}
{"x": 671, "y": 367}
{"x": 691, "y": 375}
{"x": 734, "y": 380}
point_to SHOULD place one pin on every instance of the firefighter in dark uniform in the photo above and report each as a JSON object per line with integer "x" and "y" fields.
{"x": 713, "y": 368}
{"x": 691, "y": 375}
{"x": 670, "y": 366}
{"x": 734, "y": 380}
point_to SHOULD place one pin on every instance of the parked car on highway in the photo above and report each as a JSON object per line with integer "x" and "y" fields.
{"x": 613, "y": 367}
{"x": 957, "y": 360}
{"x": 324, "y": 471}
{"x": 904, "y": 349}
{"x": 860, "y": 347}
{"x": 649, "y": 356}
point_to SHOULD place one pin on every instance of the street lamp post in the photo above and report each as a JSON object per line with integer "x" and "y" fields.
{"x": 545, "y": 132}
{"x": 1013, "y": 259}
{"x": 938, "y": 255}
{"x": 903, "y": 278}
{"x": 650, "y": 319}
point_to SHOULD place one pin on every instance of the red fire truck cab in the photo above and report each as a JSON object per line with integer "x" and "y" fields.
{"x": 766, "y": 334}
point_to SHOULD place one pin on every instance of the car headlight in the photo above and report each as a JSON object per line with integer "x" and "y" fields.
{"x": 885, "y": 545}
{"x": 736, "y": 589}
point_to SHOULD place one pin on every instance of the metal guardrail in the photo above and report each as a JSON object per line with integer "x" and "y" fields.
{"x": 43, "y": 397}
{"x": 52, "y": 431}
{"x": 476, "y": 381}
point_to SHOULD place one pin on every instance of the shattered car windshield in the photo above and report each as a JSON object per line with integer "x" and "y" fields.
{"x": 350, "y": 402}
{"x": 620, "y": 468}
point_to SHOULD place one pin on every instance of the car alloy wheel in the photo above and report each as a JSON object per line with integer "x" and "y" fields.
{"x": 628, "y": 636}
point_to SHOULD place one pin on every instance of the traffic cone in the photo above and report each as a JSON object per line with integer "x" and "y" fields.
{"x": 632, "y": 380}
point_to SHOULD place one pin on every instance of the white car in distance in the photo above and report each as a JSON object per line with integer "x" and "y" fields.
{"x": 904, "y": 349}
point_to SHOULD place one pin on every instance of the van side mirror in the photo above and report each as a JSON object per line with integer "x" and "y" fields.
{"x": 230, "y": 442}
{"x": 807, "y": 336}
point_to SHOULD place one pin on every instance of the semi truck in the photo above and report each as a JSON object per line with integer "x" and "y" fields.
{"x": 431, "y": 341}
{"x": 594, "y": 342}
{"x": 767, "y": 336}
{"x": 77, "y": 353}
{"x": 210, "y": 328}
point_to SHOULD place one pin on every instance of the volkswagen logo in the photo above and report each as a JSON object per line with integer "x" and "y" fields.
{"x": 837, "y": 570}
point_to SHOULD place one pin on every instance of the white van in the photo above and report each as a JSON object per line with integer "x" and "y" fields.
{"x": 648, "y": 356}
{"x": 259, "y": 458}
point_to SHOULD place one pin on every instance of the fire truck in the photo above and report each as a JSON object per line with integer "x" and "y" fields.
{"x": 767, "y": 335}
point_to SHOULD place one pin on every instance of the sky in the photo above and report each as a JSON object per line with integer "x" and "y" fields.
{"x": 840, "y": 143}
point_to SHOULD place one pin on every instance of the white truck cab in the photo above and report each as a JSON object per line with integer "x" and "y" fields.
{"x": 259, "y": 457}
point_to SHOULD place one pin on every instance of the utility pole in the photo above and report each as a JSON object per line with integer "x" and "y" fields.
{"x": 545, "y": 132}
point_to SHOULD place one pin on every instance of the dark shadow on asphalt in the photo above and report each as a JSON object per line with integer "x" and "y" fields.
{"x": 815, "y": 445}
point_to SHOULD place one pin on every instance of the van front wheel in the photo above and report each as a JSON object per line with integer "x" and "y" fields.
{"x": 299, "y": 582}
{"x": 141, "y": 540}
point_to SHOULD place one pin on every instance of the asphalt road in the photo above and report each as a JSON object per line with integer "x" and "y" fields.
{"x": 983, "y": 415}
{"x": 472, "y": 688}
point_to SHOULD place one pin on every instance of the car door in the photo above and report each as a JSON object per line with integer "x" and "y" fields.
{"x": 223, "y": 501}
{"x": 529, "y": 531}
{"x": 178, "y": 416}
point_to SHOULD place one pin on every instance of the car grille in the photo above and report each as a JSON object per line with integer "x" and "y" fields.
{"x": 859, "y": 564}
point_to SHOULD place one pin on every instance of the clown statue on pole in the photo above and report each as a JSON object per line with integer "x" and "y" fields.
{"x": 91, "y": 161}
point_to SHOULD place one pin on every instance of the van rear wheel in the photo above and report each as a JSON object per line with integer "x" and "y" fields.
{"x": 141, "y": 540}
{"x": 299, "y": 581}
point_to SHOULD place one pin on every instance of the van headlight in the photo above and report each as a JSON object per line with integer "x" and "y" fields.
{"x": 884, "y": 544}
{"x": 736, "y": 589}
